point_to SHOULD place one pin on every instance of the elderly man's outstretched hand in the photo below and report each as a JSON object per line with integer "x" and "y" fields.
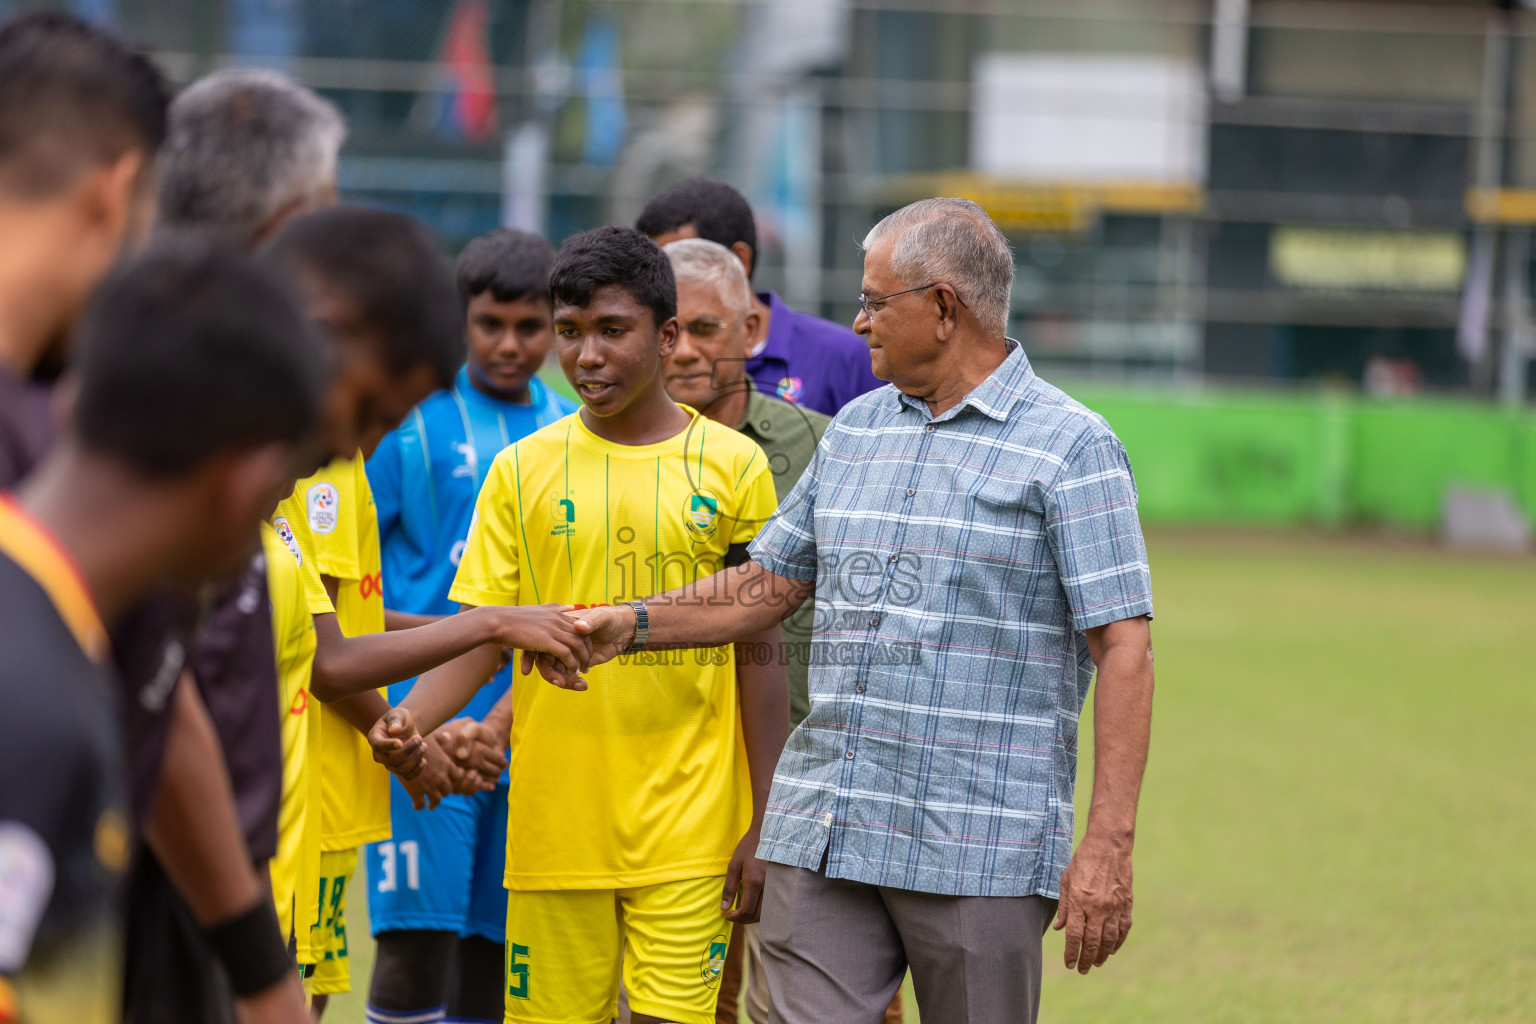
{"x": 609, "y": 628}
{"x": 1095, "y": 906}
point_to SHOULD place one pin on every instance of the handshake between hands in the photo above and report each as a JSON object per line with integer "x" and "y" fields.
{"x": 466, "y": 756}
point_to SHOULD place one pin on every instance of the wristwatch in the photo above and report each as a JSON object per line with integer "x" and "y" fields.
{"x": 642, "y": 628}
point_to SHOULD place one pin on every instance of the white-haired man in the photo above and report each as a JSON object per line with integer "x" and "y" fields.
{"x": 971, "y": 538}
{"x": 247, "y": 151}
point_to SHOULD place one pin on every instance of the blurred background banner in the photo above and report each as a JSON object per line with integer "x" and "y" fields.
{"x": 463, "y": 109}
{"x": 1241, "y": 195}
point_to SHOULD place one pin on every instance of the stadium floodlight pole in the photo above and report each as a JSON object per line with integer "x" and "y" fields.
{"x": 1515, "y": 355}
{"x": 1489, "y": 160}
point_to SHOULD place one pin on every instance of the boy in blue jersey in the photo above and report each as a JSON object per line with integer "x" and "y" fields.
{"x": 436, "y": 898}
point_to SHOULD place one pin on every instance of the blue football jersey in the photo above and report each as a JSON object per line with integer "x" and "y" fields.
{"x": 425, "y": 476}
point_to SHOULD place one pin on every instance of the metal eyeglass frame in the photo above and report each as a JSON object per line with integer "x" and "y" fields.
{"x": 863, "y": 300}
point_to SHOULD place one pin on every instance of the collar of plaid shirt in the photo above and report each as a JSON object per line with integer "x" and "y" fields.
{"x": 957, "y": 560}
{"x": 995, "y": 397}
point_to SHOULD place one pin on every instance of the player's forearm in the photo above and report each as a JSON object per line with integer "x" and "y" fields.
{"x": 442, "y": 693}
{"x": 1122, "y": 729}
{"x": 763, "y": 685}
{"x": 361, "y": 710}
{"x": 192, "y": 825}
{"x": 728, "y": 607}
{"x": 348, "y": 665}
{"x": 394, "y": 620}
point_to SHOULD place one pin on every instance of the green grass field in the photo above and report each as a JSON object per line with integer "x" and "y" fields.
{"x": 1338, "y": 823}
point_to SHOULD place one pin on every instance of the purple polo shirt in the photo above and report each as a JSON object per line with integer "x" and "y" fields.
{"x": 810, "y": 361}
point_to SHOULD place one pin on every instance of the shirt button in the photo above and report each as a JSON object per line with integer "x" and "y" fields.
{"x": 874, "y": 620}
{"x": 849, "y": 755}
{"x": 826, "y": 819}
{"x": 929, "y": 428}
{"x": 894, "y": 556}
{"x": 911, "y": 491}
{"x": 859, "y": 688}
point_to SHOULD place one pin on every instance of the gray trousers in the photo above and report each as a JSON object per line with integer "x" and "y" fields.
{"x": 835, "y": 951}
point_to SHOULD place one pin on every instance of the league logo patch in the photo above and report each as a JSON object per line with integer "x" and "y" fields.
{"x": 702, "y": 514}
{"x": 713, "y": 963}
{"x": 323, "y": 502}
{"x": 285, "y": 534}
{"x": 791, "y": 389}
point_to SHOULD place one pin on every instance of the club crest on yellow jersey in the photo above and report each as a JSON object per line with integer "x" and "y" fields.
{"x": 713, "y": 964}
{"x": 702, "y": 514}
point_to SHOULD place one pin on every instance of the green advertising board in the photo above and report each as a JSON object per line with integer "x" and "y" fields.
{"x": 1324, "y": 457}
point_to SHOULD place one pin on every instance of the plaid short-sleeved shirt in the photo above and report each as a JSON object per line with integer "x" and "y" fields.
{"x": 957, "y": 561}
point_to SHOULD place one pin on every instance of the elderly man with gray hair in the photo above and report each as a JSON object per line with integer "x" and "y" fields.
{"x": 247, "y": 150}
{"x": 971, "y": 537}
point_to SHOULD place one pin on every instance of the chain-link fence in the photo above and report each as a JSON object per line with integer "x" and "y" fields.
{"x": 1276, "y": 190}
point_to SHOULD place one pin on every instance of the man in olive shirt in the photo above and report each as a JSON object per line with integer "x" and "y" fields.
{"x": 707, "y": 370}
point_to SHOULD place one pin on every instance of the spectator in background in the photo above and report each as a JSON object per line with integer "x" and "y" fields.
{"x": 795, "y": 356}
{"x": 248, "y": 150}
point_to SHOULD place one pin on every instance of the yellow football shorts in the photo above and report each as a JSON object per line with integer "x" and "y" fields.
{"x": 333, "y": 971}
{"x": 567, "y": 948}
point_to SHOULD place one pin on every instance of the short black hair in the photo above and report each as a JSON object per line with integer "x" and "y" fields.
{"x": 621, "y": 256}
{"x": 508, "y": 263}
{"x": 189, "y": 350}
{"x": 389, "y": 270}
{"x": 716, "y": 210}
{"x": 72, "y": 97}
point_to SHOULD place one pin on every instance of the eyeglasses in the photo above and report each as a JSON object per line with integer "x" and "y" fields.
{"x": 871, "y": 306}
{"x": 709, "y": 330}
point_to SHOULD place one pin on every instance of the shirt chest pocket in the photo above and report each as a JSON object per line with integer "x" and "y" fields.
{"x": 997, "y": 524}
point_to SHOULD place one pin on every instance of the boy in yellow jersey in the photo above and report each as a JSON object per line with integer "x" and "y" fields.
{"x": 295, "y": 870}
{"x": 634, "y": 807}
{"x": 389, "y": 309}
{"x": 335, "y": 508}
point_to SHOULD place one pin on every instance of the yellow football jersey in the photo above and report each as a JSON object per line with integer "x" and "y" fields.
{"x": 643, "y": 778}
{"x": 332, "y": 519}
{"x": 296, "y": 868}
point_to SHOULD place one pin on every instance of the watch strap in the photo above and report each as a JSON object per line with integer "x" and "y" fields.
{"x": 642, "y": 628}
